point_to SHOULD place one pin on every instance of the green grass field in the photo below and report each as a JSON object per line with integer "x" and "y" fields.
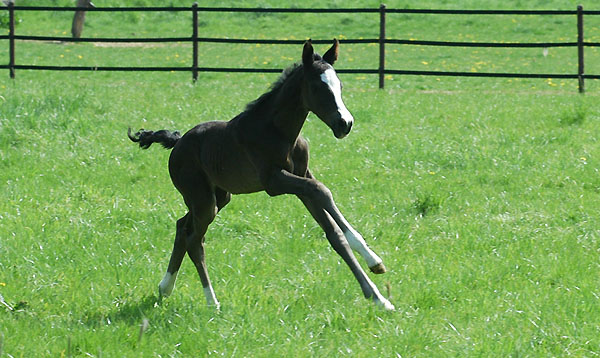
{"x": 481, "y": 195}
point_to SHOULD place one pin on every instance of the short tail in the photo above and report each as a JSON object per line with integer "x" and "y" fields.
{"x": 145, "y": 138}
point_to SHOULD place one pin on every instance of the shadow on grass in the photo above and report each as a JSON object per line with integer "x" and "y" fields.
{"x": 129, "y": 312}
{"x": 573, "y": 117}
{"x": 427, "y": 203}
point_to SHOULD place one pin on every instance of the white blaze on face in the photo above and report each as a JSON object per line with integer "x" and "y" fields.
{"x": 332, "y": 80}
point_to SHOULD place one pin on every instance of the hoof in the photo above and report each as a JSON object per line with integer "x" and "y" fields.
{"x": 385, "y": 304}
{"x": 378, "y": 269}
{"x": 162, "y": 293}
{"x": 165, "y": 287}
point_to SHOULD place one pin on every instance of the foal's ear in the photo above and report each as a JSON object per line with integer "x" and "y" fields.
{"x": 307, "y": 54}
{"x": 332, "y": 54}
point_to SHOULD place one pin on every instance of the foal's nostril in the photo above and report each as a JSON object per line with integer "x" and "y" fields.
{"x": 346, "y": 127}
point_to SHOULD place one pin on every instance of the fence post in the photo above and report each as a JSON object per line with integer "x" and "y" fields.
{"x": 11, "y": 38}
{"x": 195, "y": 41}
{"x": 381, "y": 45}
{"x": 581, "y": 71}
{"x": 79, "y": 18}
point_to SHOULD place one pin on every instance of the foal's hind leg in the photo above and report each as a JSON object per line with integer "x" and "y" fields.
{"x": 222, "y": 197}
{"x": 179, "y": 248}
{"x": 203, "y": 208}
{"x": 355, "y": 240}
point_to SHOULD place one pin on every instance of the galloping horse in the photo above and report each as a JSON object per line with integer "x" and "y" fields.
{"x": 261, "y": 149}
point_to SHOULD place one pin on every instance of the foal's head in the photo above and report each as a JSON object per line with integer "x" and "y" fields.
{"x": 322, "y": 89}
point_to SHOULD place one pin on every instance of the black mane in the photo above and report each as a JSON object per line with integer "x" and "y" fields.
{"x": 276, "y": 86}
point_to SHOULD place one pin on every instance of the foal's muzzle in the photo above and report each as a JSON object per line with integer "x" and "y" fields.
{"x": 340, "y": 123}
{"x": 342, "y": 127}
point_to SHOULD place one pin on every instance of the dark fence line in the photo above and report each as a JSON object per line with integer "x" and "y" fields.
{"x": 382, "y": 40}
{"x": 309, "y": 10}
{"x": 299, "y": 42}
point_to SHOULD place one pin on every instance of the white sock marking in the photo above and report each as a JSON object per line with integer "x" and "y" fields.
{"x": 385, "y": 303}
{"x": 358, "y": 244}
{"x": 379, "y": 299}
{"x": 167, "y": 284}
{"x": 211, "y": 299}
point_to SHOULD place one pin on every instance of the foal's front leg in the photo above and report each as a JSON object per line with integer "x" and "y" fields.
{"x": 317, "y": 198}
{"x": 337, "y": 240}
{"x": 356, "y": 241}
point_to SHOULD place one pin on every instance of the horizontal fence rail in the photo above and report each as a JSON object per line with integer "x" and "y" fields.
{"x": 306, "y": 10}
{"x": 382, "y": 40}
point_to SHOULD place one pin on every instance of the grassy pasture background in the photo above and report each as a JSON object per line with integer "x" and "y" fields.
{"x": 481, "y": 195}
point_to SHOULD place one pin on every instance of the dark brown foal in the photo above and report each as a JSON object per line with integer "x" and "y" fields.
{"x": 261, "y": 149}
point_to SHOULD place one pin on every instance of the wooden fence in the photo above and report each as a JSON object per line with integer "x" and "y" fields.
{"x": 382, "y": 40}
